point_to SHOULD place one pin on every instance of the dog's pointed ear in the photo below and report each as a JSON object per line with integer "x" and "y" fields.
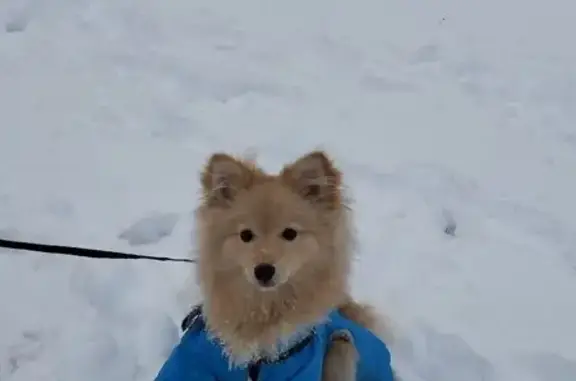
{"x": 314, "y": 177}
{"x": 222, "y": 178}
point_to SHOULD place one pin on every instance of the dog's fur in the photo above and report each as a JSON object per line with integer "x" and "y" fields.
{"x": 312, "y": 270}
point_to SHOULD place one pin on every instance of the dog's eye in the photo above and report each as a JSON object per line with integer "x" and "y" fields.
{"x": 289, "y": 234}
{"x": 246, "y": 235}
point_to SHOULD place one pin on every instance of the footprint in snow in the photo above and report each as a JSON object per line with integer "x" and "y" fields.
{"x": 9, "y": 233}
{"x": 383, "y": 84}
{"x": 16, "y": 25}
{"x": 550, "y": 367}
{"x": 426, "y": 54}
{"x": 150, "y": 229}
{"x": 432, "y": 355}
{"x": 18, "y": 19}
{"x": 25, "y": 352}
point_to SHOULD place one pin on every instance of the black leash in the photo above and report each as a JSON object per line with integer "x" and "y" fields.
{"x": 83, "y": 252}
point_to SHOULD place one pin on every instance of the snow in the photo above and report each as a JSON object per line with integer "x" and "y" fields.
{"x": 150, "y": 229}
{"x": 454, "y": 123}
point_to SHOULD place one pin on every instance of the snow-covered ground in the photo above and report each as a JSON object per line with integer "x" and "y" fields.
{"x": 446, "y": 116}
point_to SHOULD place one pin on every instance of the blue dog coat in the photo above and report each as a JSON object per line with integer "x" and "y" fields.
{"x": 199, "y": 358}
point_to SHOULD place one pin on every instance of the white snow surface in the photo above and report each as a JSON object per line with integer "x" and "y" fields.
{"x": 444, "y": 115}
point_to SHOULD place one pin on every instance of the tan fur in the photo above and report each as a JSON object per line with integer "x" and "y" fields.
{"x": 367, "y": 316}
{"x": 340, "y": 362}
{"x": 311, "y": 271}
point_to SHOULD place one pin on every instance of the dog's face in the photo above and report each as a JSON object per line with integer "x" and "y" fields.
{"x": 262, "y": 233}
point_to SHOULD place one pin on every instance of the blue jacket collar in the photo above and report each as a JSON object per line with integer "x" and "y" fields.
{"x": 195, "y": 320}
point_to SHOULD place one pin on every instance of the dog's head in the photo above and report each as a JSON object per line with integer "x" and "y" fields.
{"x": 279, "y": 237}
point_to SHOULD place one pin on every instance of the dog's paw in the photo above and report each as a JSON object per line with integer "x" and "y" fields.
{"x": 341, "y": 358}
{"x": 342, "y": 335}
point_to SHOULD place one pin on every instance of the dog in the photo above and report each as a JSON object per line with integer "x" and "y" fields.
{"x": 274, "y": 257}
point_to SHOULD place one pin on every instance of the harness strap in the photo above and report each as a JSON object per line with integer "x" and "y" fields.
{"x": 190, "y": 319}
{"x": 290, "y": 352}
{"x": 253, "y": 371}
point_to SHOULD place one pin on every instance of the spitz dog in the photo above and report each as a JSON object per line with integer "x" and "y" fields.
{"x": 274, "y": 257}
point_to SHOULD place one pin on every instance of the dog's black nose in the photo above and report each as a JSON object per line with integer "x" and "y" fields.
{"x": 264, "y": 273}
